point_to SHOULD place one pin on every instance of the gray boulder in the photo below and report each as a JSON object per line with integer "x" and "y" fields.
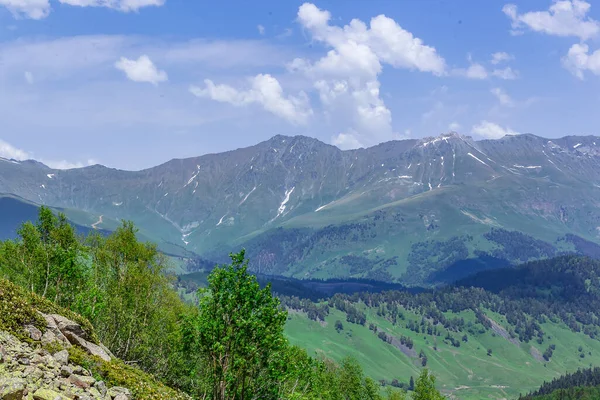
{"x": 11, "y": 388}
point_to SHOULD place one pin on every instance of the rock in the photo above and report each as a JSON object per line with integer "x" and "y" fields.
{"x": 37, "y": 359}
{"x": 111, "y": 355}
{"x": 62, "y": 357}
{"x": 50, "y": 362}
{"x": 121, "y": 397}
{"x": 37, "y": 375}
{"x": 47, "y": 394}
{"x": 65, "y": 325}
{"x": 119, "y": 391}
{"x": 55, "y": 333}
{"x": 11, "y": 388}
{"x": 83, "y": 382}
{"x": 34, "y": 333}
{"x": 49, "y": 337}
{"x": 78, "y": 369}
{"x": 27, "y": 371}
{"x": 101, "y": 387}
{"x": 91, "y": 348}
{"x": 24, "y": 361}
{"x": 66, "y": 371}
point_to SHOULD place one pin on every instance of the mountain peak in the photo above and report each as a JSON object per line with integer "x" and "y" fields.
{"x": 444, "y": 137}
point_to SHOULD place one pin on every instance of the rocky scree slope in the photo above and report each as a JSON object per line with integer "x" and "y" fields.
{"x": 49, "y": 353}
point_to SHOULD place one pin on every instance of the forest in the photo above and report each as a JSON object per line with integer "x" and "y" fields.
{"x": 226, "y": 339}
{"x": 582, "y": 384}
{"x": 227, "y": 344}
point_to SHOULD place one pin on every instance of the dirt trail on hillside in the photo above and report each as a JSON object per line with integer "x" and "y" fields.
{"x": 95, "y": 225}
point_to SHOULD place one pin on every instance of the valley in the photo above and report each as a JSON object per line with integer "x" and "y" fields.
{"x": 480, "y": 269}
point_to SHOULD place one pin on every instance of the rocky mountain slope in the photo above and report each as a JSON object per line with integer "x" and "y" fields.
{"x": 49, "y": 353}
{"x": 306, "y": 209}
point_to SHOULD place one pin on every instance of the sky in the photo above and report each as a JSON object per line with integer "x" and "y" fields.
{"x": 134, "y": 83}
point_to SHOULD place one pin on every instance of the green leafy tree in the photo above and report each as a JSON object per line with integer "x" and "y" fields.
{"x": 425, "y": 387}
{"x": 131, "y": 302}
{"x": 394, "y": 394}
{"x": 238, "y": 334}
{"x": 47, "y": 258}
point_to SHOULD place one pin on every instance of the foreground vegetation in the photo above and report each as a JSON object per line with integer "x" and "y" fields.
{"x": 229, "y": 344}
{"x": 494, "y": 335}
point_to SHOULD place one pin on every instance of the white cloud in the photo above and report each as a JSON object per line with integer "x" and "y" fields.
{"x": 261, "y": 29}
{"x": 39, "y": 9}
{"x": 578, "y": 60}
{"x": 10, "y": 152}
{"x": 383, "y": 42}
{"x": 346, "y": 141}
{"x": 563, "y": 18}
{"x": 500, "y": 57}
{"x": 64, "y": 164}
{"x": 34, "y": 9}
{"x": 502, "y": 97}
{"x": 266, "y": 91}
{"x": 475, "y": 71}
{"x": 28, "y": 77}
{"x": 287, "y": 32}
{"x": 505, "y": 73}
{"x": 121, "y": 5}
{"x": 141, "y": 70}
{"x": 490, "y": 130}
{"x": 454, "y": 126}
{"x": 347, "y": 76}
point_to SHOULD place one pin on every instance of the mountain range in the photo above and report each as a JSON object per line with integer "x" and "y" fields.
{"x": 410, "y": 211}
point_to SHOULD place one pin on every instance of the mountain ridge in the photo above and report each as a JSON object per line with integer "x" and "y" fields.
{"x": 393, "y": 195}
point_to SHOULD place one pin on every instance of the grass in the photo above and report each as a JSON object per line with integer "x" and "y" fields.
{"x": 466, "y": 372}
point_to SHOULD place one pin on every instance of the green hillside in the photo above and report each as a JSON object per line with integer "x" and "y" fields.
{"x": 538, "y": 321}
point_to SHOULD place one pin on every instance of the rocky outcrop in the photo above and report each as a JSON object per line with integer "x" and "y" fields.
{"x": 30, "y": 372}
{"x": 67, "y": 332}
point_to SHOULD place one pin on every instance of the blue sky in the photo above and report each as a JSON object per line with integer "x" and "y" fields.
{"x": 133, "y": 83}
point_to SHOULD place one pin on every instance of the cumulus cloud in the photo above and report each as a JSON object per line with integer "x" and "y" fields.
{"x": 490, "y": 130}
{"x": 264, "y": 90}
{"x": 261, "y": 29}
{"x": 578, "y": 60}
{"x": 384, "y": 41}
{"x": 505, "y": 73}
{"x": 502, "y": 97}
{"x": 141, "y": 70}
{"x": 33, "y": 9}
{"x": 563, "y": 18}
{"x": 347, "y": 76}
{"x": 500, "y": 57}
